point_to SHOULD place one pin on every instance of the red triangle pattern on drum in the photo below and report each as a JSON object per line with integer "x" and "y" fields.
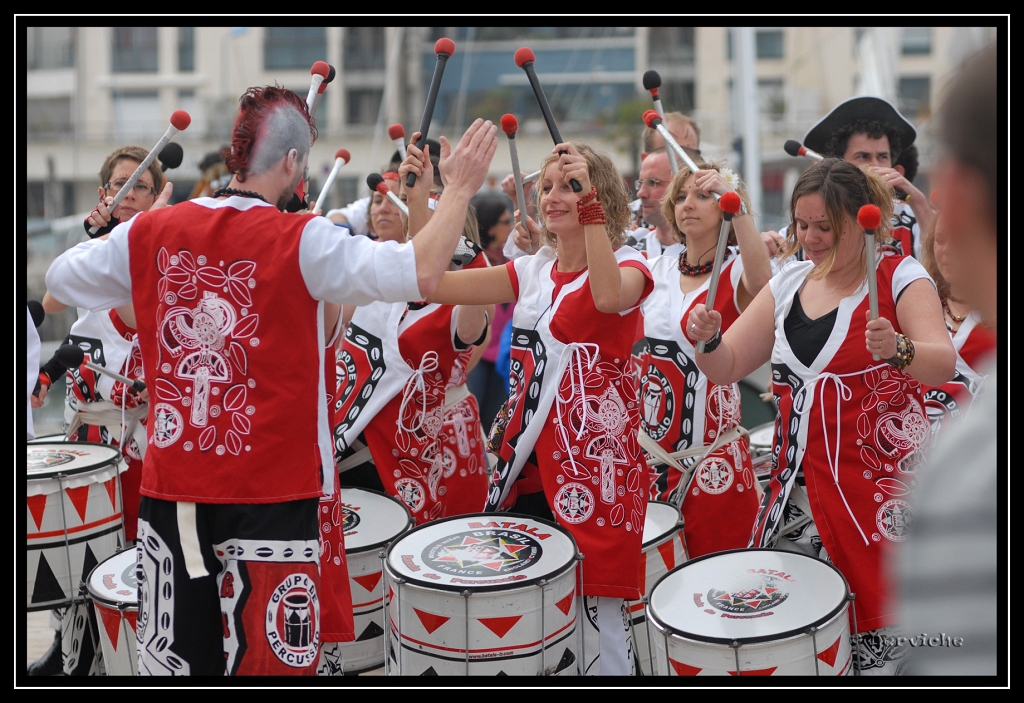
{"x": 566, "y": 602}
{"x": 430, "y": 621}
{"x": 111, "y": 487}
{"x": 132, "y": 616}
{"x": 668, "y": 553}
{"x": 754, "y": 672}
{"x": 368, "y": 581}
{"x": 79, "y": 498}
{"x": 684, "y": 669}
{"x": 500, "y": 626}
{"x": 829, "y": 655}
{"x": 36, "y": 506}
{"x": 111, "y": 623}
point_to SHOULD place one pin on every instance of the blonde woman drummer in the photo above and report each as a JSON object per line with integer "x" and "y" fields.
{"x": 573, "y": 408}
{"x": 682, "y": 411}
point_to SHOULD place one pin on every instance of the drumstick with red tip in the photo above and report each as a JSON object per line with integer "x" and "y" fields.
{"x": 376, "y": 182}
{"x": 72, "y": 357}
{"x": 317, "y": 76}
{"x": 730, "y": 204}
{"x": 870, "y": 217}
{"x": 652, "y": 83}
{"x": 320, "y": 91}
{"x": 525, "y": 59}
{"x": 510, "y": 125}
{"x": 341, "y": 157}
{"x": 444, "y": 48}
{"x": 397, "y": 134}
{"x": 795, "y": 148}
{"x": 180, "y": 120}
{"x": 653, "y": 120}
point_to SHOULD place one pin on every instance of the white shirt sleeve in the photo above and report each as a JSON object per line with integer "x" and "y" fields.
{"x": 342, "y": 268}
{"x": 356, "y": 214}
{"x": 32, "y": 337}
{"x": 93, "y": 275}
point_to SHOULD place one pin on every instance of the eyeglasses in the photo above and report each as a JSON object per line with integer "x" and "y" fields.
{"x": 651, "y": 183}
{"x": 140, "y": 189}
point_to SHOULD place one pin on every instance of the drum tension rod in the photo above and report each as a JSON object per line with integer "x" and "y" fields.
{"x": 814, "y": 646}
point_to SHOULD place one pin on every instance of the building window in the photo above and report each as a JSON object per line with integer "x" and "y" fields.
{"x": 363, "y": 106}
{"x": 137, "y": 116}
{"x": 48, "y": 118}
{"x": 768, "y": 44}
{"x": 916, "y": 41}
{"x": 914, "y": 97}
{"x": 671, "y": 44}
{"x": 771, "y": 101}
{"x": 364, "y": 47}
{"x": 294, "y": 47}
{"x": 51, "y": 47}
{"x": 134, "y": 50}
{"x": 186, "y": 49}
{"x": 677, "y": 96}
{"x": 51, "y": 200}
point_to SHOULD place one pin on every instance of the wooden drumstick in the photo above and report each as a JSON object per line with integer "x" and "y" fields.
{"x": 870, "y": 217}
{"x": 730, "y": 204}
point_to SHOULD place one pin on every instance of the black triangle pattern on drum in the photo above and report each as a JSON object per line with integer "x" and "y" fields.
{"x": 567, "y": 660}
{"x": 89, "y": 562}
{"x": 372, "y": 630}
{"x": 501, "y": 673}
{"x": 47, "y": 588}
{"x": 429, "y": 672}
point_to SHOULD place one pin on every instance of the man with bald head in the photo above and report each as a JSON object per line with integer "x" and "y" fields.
{"x": 230, "y": 296}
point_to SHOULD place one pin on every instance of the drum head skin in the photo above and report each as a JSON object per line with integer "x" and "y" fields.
{"x": 113, "y": 581}
{"x": 482, "y": 552}
{"x": 46, "y": 460}
{"x": 747, "y": 595}
{"x": 662, "y": 519}
{"x": 371, "y": 519}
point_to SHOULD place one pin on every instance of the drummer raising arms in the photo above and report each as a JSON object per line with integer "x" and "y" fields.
{"x": 855, "y": 428}
{"x": 228, "y": 296}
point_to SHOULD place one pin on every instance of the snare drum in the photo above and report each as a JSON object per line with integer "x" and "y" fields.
{"x": 48, "y": 439}
{"x": 74, "y": 517}
{"x": 752, "y": 612}
{"x": 372, "y": 521}
{"x": 114, "y": 593}
{"x": 761, "y": 438}
{"x": 485, "y": 594}
{"x": 664, "y": 549}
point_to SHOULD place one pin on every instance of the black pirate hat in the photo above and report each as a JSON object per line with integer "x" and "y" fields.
{"x": 864, "y": 107}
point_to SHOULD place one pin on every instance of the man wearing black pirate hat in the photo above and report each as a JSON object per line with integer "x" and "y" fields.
{"x": 869, "y": 131}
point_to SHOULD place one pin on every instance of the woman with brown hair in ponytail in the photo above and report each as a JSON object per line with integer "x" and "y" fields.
{"x": 852, "y": 425}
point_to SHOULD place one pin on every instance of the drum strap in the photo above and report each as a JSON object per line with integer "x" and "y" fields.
{"x": 660, "y": 456}
{"x": 114, "y": 418}
{"x": 454, "y": 396}
{"x": 361, "y": 456}
{"x": 190, "y": 541}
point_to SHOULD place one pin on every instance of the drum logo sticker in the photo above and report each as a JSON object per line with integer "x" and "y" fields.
{"x": 40, "y": 461}
{"x": 748, "y": 601}
{"x": 893, "y": 519}
{"x": 350, "y": 519}
{"x": 574, "y": 503}
{"x": 293, "y": 621}
{"x": 482, "y": 553}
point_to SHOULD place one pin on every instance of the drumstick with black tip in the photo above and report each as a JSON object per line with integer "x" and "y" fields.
{"x": 72, "y": 357}
{"x": 653, "y": 120}
{"x": 730, "y": 204}
{"x": 652, "y": 83}
{"x": 376, "y": 182}
{"x": 171, "y": 156}
{"x": 397, "y": 134}
{"x": 510, "y": 125}
{"x": 444, "y": 48}
{"x": 870, "y": 217}
{"x": 525, "y": 59}
{"x": 795, "y": 148}
{"x": 180, "y": 120}
{"x": 341, "y": 157}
